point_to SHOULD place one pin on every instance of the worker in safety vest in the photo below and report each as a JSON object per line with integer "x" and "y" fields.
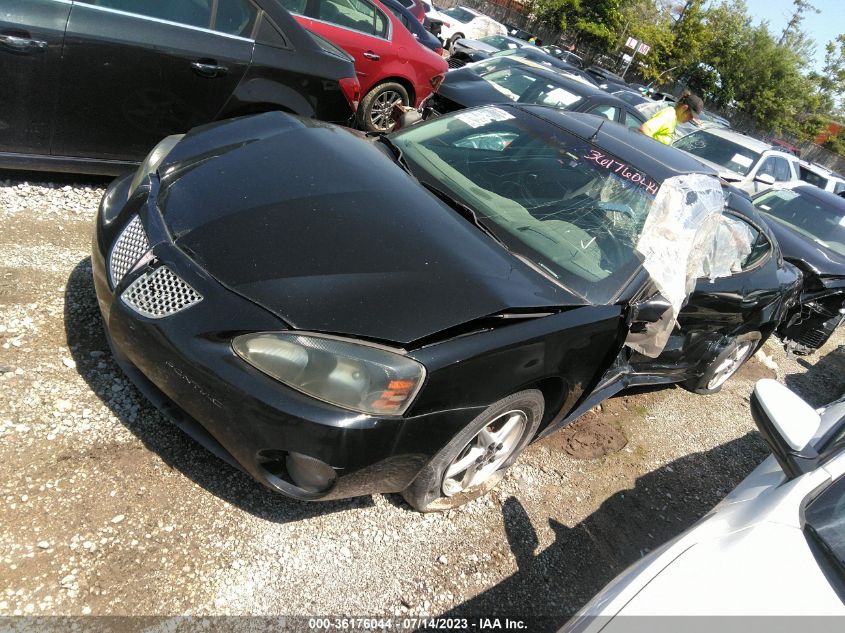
{"x": 662, "y": 125}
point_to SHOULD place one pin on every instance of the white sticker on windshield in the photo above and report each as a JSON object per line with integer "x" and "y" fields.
{"x": 483, "y": 116}
{"x": 742, "y": 161}
{"x": 842, "y": 221}
{"x": 560, "y": 97}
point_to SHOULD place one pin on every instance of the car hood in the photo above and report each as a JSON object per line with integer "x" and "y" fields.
{"x": 820, "y": 259}
{"x": 739, "y": 574}
{"x": 466, "y": 88}
{"x": 325, "y": 230}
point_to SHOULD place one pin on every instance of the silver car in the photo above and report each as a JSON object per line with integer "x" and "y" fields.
{"x": 774, "y": 546}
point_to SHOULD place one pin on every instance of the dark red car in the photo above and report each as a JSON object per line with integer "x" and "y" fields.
{"x": 391, "y": 65}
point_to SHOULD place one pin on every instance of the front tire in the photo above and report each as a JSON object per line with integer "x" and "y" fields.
{"x": 725, "y": 364}
{"x": 375, "y": 113}
{"x": 475, "y": 460}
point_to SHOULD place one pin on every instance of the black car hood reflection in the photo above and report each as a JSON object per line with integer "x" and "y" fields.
{"x": 334, "y": 254}
{"x": 463, "y": 86}
{"x": 820, "y": 259}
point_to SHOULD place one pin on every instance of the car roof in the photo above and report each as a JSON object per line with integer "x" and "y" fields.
{"x": 826, "y": 198}
{"x": 652, "y": 157}
{"x": 555, "y": 76}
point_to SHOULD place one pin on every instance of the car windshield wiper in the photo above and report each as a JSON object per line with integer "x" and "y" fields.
{"x": 465, "y": 211}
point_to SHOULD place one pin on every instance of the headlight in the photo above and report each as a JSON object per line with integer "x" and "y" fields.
{"x": 348, "y": 374}
{"x": 153, "y": 160}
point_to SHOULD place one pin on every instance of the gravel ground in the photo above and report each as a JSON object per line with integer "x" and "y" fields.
{"x": 108, "y": 509}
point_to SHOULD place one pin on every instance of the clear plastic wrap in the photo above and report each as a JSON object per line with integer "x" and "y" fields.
{"x": 676, "y": 241}
{"x": 731, "y": 247}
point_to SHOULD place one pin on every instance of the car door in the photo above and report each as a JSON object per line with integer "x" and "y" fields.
{"x": 358, "y": 27}
{"x": 736, "y": 301}
{"x": 31, "y": 36}
{"x": 774, "y": 166}
{"x": 135, "y": 71}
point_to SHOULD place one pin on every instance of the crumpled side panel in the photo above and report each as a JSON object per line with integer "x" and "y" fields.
{"x": 678, "y": 237}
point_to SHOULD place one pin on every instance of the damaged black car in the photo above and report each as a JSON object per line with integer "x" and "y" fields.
{"x": 810, "y": 226}
{"x": 341, "y": 315}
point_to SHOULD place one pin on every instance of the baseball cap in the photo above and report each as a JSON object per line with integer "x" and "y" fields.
{"x": 695, "y": 104}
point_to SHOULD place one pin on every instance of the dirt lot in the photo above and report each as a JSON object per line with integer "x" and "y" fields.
{"x": 108, "y": 509}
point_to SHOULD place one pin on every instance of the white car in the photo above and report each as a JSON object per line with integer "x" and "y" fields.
{"x": 468, "y": 23}
{"x": 821, "y": 177}
{"x": 774, "y": 546}
{"x": 746, "y": 162}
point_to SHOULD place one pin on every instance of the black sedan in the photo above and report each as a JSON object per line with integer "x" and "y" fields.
{"x": 502, "y": 79}
{"x": 341, "y": 315}
{"x": 91, "y": 86}
{"x": 810, "y": 226}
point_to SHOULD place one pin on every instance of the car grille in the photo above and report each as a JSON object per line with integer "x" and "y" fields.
{"x": 454, "y": 62}
{"x": 127, "y": 250}
{"x": 160, "y": 293}
{"x": 813, "y": 338}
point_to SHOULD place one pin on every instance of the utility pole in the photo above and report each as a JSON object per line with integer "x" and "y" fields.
{"x": 800, "y": 7}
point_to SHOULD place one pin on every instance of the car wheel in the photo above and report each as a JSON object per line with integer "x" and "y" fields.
{"x": 475, "y": 460}
{"x": 376, "y": 110}
{"x": 725, "y": 364}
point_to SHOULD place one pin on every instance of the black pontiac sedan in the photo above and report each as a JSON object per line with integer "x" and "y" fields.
{"x": 340, "y": 315}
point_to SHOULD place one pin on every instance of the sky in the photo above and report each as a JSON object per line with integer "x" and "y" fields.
{"x": 822, "y": 27}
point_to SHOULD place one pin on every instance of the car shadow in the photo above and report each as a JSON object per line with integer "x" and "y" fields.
{"x": 823, "y": 381}
{"x": 550, "y": 585}
{"x": 87, "y": 342}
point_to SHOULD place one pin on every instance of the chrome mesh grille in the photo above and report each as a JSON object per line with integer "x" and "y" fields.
{"x": 160, "y": 294}
{"x": 454, "y": 62}
{"x": 127, "y": 250}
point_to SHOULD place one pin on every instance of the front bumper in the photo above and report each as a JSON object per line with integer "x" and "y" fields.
{"x": 185, "y": 364}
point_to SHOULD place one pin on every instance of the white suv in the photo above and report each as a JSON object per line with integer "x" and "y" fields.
{"x": 468, "y": 23}
{"x": 821, "y": 177}
{"x": 748, "y": 163}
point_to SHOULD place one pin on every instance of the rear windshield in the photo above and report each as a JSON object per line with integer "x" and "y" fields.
{"x": 461, "y": 15}
{"x": 719, "y": 150}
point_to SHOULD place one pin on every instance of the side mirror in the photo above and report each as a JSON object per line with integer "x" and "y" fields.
{"x": 787, "y": 423}
{"x": 765, "y": 179}
{"x": 649, "y": 310}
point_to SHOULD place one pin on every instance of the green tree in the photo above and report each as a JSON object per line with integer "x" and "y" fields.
{"x": 600, "y": 21}
{"x": 647, "y": 22}
{"x": 692, "y": 35}
{"x": 560, "y": 13}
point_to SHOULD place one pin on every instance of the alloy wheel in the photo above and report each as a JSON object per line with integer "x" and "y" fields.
{"x": 729, "y": 366}
{"x": 485, "y": 453}
{"x": 381, "y": 112}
